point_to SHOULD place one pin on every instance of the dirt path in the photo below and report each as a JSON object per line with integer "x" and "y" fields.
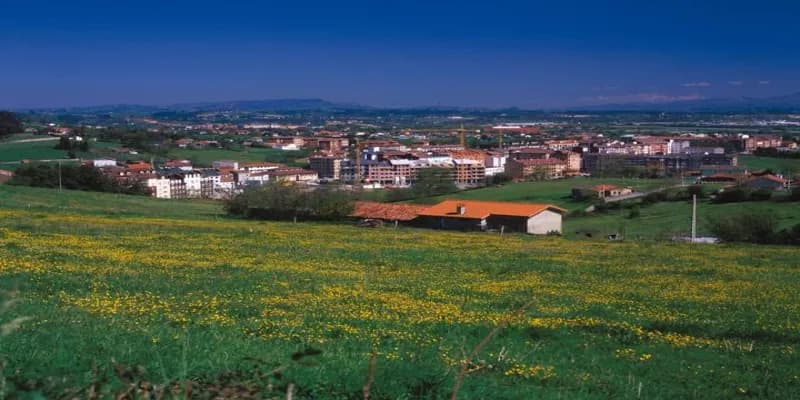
{"x": 44, "y": 139}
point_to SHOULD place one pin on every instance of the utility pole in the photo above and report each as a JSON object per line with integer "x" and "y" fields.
{"x": 694, "y": 217}
{"x": 59, "y": 176}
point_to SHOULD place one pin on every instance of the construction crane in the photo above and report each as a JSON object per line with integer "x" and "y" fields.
{"x": 358, "y": 161}
{"x": 462, "y": 137}
{"x": 500, "y": 138}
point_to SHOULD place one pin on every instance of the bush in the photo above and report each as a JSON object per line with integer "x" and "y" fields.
{"x": 634, "y": 212}
{"x": 790, "y": 236}
{"x": 654, "y": 197}
{"x": 745, "y": 227}
{"x": 795, "y": 194}
{"x": 761, "y": 195}
{"x": 499, "y": 179}
{"x": 695, "y": 190}
{"x": 733, "y": 195}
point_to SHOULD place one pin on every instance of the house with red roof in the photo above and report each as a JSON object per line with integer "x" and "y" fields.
{"x": 767, "y": 181}
{"x": 5, "y": 176}
{"x": 469, "y": 215}
{"x": 602, "y": 191}
{"x": 387, "y": 211}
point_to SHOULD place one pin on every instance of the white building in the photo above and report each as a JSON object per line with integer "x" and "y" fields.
{"x": 104, "y": 163}
{"x": 159, "y": 187}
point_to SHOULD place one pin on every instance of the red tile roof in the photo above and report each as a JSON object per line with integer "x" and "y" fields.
{"x": 772, "y": 178}
{"x": 387, "y": 211}
{"x": 604, "y": 187}
{"x": 482, "y": 209}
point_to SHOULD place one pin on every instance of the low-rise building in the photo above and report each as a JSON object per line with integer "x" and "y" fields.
{"x": 327, "y": 166}
{"x": 492, "y": 215}
{"x": 536, "y": 168}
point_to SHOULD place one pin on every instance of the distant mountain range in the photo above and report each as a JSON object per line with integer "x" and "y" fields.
{"x": 210, "y": 106}
{"x": 787, "y": 103}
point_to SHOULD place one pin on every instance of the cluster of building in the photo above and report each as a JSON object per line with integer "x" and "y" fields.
{"x": 179, "y": 179}
{"x": 389, "y": 163}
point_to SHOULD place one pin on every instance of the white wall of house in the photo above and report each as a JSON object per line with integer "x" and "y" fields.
{"x": 104, "y": 162}
{"x": 193, "y": 184}
{"x": 544, "y": 222}
{"x": 160, "y": 188}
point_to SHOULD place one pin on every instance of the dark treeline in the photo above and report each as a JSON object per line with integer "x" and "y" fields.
{"x": 9, "y": 124}
{"x": 73, "y": 177}
{"x": 284, "y": 201}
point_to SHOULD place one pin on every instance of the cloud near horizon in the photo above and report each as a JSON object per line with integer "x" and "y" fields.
{"x": 735, "y": 83}
{"x": 764, "y": 82}
{"x": 696, "y": 84}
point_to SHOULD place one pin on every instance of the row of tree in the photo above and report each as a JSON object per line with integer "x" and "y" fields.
{"x": 73, "y": 177}
{"x": 286, "y": 201}
{"x": 9, "y": 124}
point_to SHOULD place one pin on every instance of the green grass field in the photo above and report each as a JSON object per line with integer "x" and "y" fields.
{"x": 778, "y": 165}
{"x": 662, "y": 221}
{"x": 140, "y": 296}
{"x": 11, "y": 153}
{"x": 206, "y": 157}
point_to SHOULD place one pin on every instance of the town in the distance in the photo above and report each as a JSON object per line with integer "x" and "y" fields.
{"x": 389, "y": 158}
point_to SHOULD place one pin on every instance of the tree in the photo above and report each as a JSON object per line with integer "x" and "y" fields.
{"x": 285, "y": 201}
{"x": 64, "y": 144}
{"x": 9, "y": 124}
{"x": 695, "y": 190}
{"x": 73, "y": 177}
{"x": 433, "y": 182}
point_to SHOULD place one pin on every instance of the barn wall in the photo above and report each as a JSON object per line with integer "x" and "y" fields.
{"x": 456, "y": 224}
{"x": 511, "y": 224}
{"x": 544, "y": 222}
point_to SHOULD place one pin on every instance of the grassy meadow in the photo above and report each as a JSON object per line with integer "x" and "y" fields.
{"x": 787, "y": 166}
{"x": 134, "y": 295}
{"x": 12, "y": 152}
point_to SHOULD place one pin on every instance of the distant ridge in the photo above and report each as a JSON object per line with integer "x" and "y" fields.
{"x": 210, "y": 106}
{"x": 787, "y": 103}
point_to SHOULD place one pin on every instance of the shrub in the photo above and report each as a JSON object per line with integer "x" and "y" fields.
{"x": 745, "y": 227}
{"x": 795, "y": 194}
{"x": 634, "y": 212}
{"x": 733, "y": 195}
{"x": 695, "y": 190}
{"x": 654, "y": 197}
{"x": 499, "y": 179}
{"x": 761, "y": 195}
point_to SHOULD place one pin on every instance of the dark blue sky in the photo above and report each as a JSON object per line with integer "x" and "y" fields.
{"x": 397, "y": 53}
